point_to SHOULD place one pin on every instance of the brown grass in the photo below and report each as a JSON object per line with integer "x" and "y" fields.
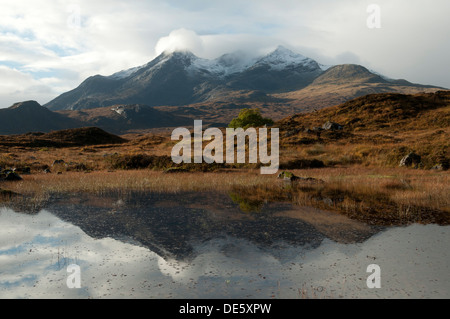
{"x": 376, "y": 196}
{"x": 378, "y": 131}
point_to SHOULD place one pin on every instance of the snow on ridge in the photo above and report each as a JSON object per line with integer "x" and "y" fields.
{"x": 224, "y": 65}
{"x": 282, "y": 58}
{"x": 237, "y": 62}
{"x": 231, "y": 63}
{"x": 125, "y": 73}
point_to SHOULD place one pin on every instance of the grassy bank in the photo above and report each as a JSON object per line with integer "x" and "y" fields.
{"x": 377, "y": 196}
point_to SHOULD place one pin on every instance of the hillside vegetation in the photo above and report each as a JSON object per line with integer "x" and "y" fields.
{"x": 375, "y": 129}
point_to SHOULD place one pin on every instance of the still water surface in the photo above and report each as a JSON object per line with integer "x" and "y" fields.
{"x": 205, "y": 246}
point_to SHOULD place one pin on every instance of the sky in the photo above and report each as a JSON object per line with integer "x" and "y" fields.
{"x": 48, "y": 47}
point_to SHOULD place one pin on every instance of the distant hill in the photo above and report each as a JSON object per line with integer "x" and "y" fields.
{"x": 30, "y": 116}
{"x": 348, "y": 73}
{"x": 65, "y": 138}
{"x": 346, "y": 82}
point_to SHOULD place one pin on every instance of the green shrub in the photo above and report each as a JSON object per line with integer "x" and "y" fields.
{"x": 250, "y": 118}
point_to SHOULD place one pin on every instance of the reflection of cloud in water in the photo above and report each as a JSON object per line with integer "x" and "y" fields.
{"x": 35, "y": 251}
{"x": 224, "y": 257}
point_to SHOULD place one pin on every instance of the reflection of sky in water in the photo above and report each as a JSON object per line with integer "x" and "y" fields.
{"x": 35, "y": 251}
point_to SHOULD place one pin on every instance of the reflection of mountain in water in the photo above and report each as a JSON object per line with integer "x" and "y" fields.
{"x": 170, "y": 224}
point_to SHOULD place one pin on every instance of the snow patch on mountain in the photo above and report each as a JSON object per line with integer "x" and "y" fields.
{"x": 283, "y": 58}
{"x": 125, "y": 73}
{"x": 223, "y": 66}
{"x": 238, "y": 62}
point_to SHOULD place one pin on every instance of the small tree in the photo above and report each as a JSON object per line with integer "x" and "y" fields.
{"x": 249, "y": 118}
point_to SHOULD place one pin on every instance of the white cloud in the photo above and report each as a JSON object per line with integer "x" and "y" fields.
{"x": 181, "y": 39}
{"x": 78, "y": 38}
{"x": 22, "y": 87}
{"x": 213, "y": 46}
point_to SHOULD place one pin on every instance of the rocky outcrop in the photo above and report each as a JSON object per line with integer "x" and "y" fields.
{"x": 331, "y": 126}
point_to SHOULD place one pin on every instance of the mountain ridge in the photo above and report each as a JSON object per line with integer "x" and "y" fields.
{"x": 181, "y": 78}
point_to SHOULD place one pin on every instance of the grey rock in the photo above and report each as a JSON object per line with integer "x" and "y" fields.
{"x": 440, "y": 167}
{"x": 58, "y": 162}
{"x": 290, "y": 177}
{"x": 330, "y": 126}
{"x": 411, "y": 160}
{"x": 287, "y": 176}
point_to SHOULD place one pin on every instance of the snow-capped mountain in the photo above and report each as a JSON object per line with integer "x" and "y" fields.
{"x": 226, "y": 65}
{"x": 232, "y": 63}
{"x": 283, "y": 58}
{"x": 125, "y": 73}
{"x": 237, "y": 62}
{"x": 181, "y": 78}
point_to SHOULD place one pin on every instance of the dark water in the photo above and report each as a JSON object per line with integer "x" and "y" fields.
{"x": 212, "y": 245}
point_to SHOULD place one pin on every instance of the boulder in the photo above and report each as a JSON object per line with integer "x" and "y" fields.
{"x": 440, "y": 167}
{"x": 290, "y": 177}
{"x": 58, "y": 162}
{"x": 411, "y": 160}
{"x": 5, "y": 173}
{"x": 442, "y": 164}
{"x": 12, "y": 177}
{"x": 330, "y": 126}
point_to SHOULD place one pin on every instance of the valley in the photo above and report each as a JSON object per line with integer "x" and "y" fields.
{"x": 346, "y": 158}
